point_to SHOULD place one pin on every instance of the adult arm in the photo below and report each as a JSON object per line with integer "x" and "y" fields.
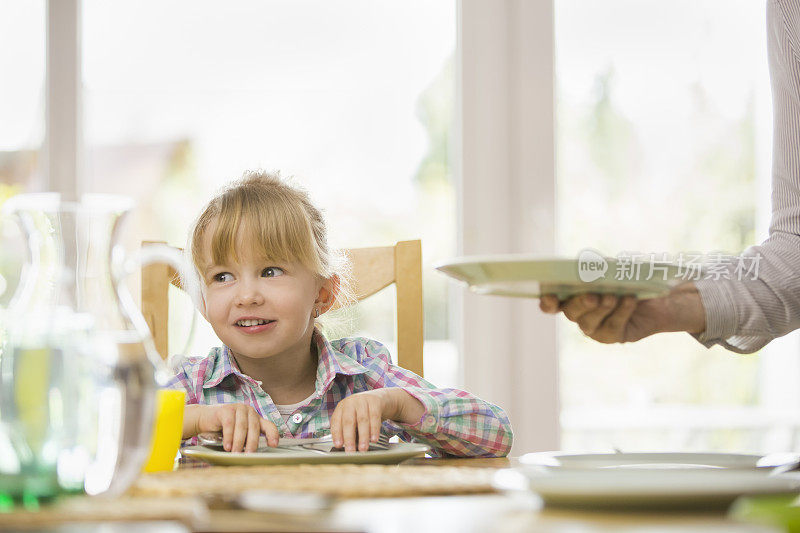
{"x": 744, "y": 315}
{"x": 740, "y": 312}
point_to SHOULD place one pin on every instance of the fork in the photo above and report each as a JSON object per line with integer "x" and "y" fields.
{"x": 381, "y": 444}
{"x": 214, "y": 440}
{"x": 319, "y": 445}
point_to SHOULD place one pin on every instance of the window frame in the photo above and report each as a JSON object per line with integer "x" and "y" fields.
{"x": 504, "y": 167}
{"x": 505, "y": 153}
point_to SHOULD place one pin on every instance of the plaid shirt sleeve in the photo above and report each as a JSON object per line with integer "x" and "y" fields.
{"x": 455, "y": 422}
{"x": 186, "y": 379}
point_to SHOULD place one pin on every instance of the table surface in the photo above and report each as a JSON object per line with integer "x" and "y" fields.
{"x": 512, "y": 511}
{"x": 522, "y": 511}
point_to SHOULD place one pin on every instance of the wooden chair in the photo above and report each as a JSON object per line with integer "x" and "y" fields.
{"x": 373, "y": 269}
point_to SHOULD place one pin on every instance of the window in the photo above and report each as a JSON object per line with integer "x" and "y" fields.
{"x": 663, "y": 146}
{"x": 22, "y": 63}
{"x": 341, "y": 96}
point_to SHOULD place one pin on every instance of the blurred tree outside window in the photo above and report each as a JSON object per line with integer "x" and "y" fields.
{"x": 661, "y": 113}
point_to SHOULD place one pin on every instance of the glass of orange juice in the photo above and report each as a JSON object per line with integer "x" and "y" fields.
{"x": 167, "y": 431}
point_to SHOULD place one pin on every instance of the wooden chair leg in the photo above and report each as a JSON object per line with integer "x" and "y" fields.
{"x": 408, "y": 277}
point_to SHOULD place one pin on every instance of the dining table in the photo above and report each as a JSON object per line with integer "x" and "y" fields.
{"x": 462, "y": 499}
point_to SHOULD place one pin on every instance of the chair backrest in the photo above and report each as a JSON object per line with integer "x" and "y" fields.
{"x": 373, "y": 269}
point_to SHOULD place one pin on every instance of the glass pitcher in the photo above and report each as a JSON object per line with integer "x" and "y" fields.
{"x": 78, "y": 368}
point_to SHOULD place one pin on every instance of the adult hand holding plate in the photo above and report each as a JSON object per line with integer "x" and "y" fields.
{"x": 608, "y": 318}
{"x": 611, "y": 300}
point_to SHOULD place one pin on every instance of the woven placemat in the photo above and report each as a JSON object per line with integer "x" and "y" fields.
{"x": 341, "y": 481}
{"x": 189, "y": 511}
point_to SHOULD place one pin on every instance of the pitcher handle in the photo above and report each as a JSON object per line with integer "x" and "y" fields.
{"x": 124, "y": 267}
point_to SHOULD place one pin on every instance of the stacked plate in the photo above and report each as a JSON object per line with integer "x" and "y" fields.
{"x": 649, "y": 480}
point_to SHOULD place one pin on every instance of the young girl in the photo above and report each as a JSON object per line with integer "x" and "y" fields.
{"x": 266, "y": 274}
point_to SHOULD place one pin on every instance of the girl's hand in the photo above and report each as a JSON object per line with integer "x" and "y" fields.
{"x": 357, "y": 419}
{"x": 240, "y": 424}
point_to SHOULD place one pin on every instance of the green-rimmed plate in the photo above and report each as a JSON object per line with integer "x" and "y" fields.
{"x": 397, "y": 452}
{"x": 531, "y": 277}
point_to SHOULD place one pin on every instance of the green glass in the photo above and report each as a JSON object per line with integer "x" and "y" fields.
{"x": 47, "y": 414}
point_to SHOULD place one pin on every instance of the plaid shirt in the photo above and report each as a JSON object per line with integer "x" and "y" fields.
{"x": 454, "y": 423}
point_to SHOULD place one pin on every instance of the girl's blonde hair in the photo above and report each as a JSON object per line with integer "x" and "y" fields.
{"x": 277, "y": 220}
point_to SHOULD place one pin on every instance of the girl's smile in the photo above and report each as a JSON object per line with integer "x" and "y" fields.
{"x": 251, "y": 325}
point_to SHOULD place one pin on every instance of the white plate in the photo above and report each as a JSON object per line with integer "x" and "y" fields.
{"x": 648, "y": 489}
{"x": 644, "y": 461}
{"x": 530, "y": 276}
{"x": 397, "y": 452}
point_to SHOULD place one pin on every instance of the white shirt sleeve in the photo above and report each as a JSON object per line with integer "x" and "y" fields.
{"x": 744, "y": 315}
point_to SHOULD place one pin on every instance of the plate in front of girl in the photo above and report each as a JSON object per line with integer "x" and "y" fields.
{"x": 397, "y": 452}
